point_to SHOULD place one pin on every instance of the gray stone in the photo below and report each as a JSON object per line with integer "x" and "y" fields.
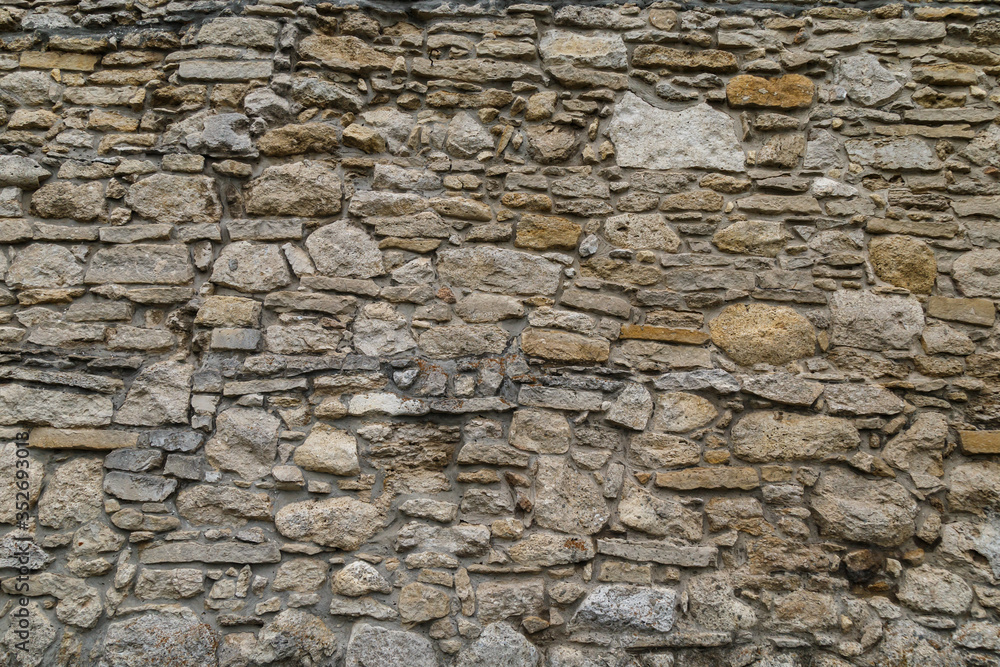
{"x": 628, "y": 608}
{"x": 61, "y": 199}
{"x": 975, "y": 273}
{"x": 775, "y": 436}
{"x": 169, "y": 635}
{"x": 866, "y": 81}
{"x": 893, "y": 154}
{"x": 174, "y": 199}
{"x": 340, "y": 249}
{"x": 932, "y": 590}
{"x": 851, "y": 507}
{"x": 245, "y": 442}
{"x": 342, "y": 523}
{"x": 138, "y": 487}
{"x": 27, "y": 651}
{"x": 567, "y": 500}
{"x": 73, "y": 494}
{"x": 650, "y": 138}
{"x": 360, "y": 578}
{"x": 498, "y": 270}
{"x": 632, "y": 409}
{"x": 861, "y": 399}
{"x": 141, "y": 263}
{"x": 251, "y": 267}
{"x": 782, "y": 388}
{"x": 873, "y": 321}
{"x": 21, "y": 172}
{"x": 372, "y": 646}
{"x": 207, "y": 504}
{"x": 714, "y": 379}
{"x": 649, "y": 513}
{"x": 20, "y": 404}
{"x": 159, "y": 395}
{"x": 46, "y": 266}
{"x": 713, "y": 605}
{"x": 172, "y": 584}
{"x": 499, "y": 646}
{"x": 222, "y": 135}
{"x": 467, "y": 136}
{"x": 295, "y": 637}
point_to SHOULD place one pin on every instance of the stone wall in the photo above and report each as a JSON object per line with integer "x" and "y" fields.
{"x": 508, "y": 336}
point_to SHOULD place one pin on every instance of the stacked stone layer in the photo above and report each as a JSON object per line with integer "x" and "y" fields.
{"x": 501, "y": 335}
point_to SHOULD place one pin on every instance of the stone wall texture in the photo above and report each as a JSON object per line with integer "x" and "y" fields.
{"x": 503, "y": 335}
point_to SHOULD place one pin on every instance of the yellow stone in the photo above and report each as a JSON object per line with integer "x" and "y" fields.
{"x": 81, "y": 438}
{"x": 791, "y": 91}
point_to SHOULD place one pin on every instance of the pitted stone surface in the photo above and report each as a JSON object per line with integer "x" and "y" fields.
{"x": 499, "y": 334}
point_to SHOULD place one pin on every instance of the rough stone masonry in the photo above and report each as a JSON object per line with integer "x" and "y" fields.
{"x": 500, "y": 335}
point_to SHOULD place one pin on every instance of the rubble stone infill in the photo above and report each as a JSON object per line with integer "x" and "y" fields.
{"x": 499, "y": 335}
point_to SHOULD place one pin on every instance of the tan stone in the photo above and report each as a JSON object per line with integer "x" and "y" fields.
{"x": 299, "y": 139}
{"x": 80, "y": 62}
{"x": 348, "y": 54}
{"x": 980, "y": 442}
{"x": 81, "y": 438}
{"x": 706, "y": 60}
{"x": 758, "y": 333}
{"x": 546, "y": 232}
{"x": 904, "y": 262}
{"x": 666, "y": 334}
{"x": 709, "y": 478}
{"x": 970, "y": 311}
{"x": 791, "y": 91}
{"x": 364, "y": 138}
{"x": 564, "y": 346}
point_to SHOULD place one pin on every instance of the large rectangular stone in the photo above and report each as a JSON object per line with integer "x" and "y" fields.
{"x": 970, "y": 311}
{"x": 55, "y": 60}
{"x": 219, "y": 552}
{"x": 980, "y": 442}
{"x": 81, "y": 438}
{"x": 658, "y": 552}
{"x": 62, "y": 409}
{"x": 560, "y": 399}
{"x": 214, "y": 70}
{"x": 709, "y": 478}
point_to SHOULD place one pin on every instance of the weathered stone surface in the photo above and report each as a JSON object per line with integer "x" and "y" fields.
{"x": 933, "y": 590}
{"x": 173, "y": 199}
{"x": 567, "y": 500}
{"x": 347, "y": 54}
{"x": 758, "y": 333}
{"x": 563, "y": 346}
{"x": 499, "y": 644}
{"x": 328, "y": 450}
{"x": 245, "y": 442}
{"x": 340, "y": 249}
{"x": 974, "y": 273}
{"x": 893, "y": 154}
{"x": 44, "y": 265}
{"x": 463, "y": 340}
{"x": 502, "y": 599}
{"x": 373, "y": 646}
{"x": 651, "y": 138}
{"x": 169, "y": 635}
{"x": 498, "y": 270}
{"x": 140, "y": 263}
{"x": 790, "y": 91}
{"x": 852, "y": 507}
{"x": 21, "y": 404}
{"x": 622, "y": 607}
{"x": 973, "y": 487}
{"x": 874, "y": 322}
{"x": 222, "y": 506}
{"x": 298, "y": 189}
{"x": 904, "y": 262}
{"x": 72, "y": 495}
{"x": 160, "y": 394}
{"x": 680, "y": 412}
{"x": 753, "y": 237}
{"x": 641, "y": 231}
{"x": 342, "y": 523}
{"x": 866, "y": 81}
{"x": 632, "y": 409}
{"x": 82, "y": 203}
{"x": 251, "y": 267}
{"x": 646, "y": 512}
{"x": 778, "y": 436}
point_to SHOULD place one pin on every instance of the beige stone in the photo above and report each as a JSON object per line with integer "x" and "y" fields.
{"x": 758, "y": 333}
